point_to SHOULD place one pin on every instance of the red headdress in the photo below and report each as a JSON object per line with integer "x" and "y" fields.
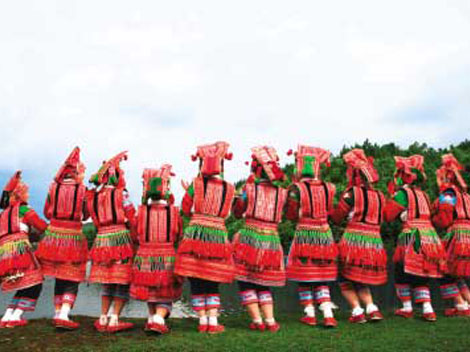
{"x": 450, "y": 173}
{"x": 15, "y": 191}
{"x": 157, "y": 183}
{"x": 72, "y": 167}
{"x": 110, "y": 172}
{"x": 407, "y": 168}
{"x": 357, "y": 163}
{"x": 212, "y": 157}
{"x": 308, "y": 160}
{"x": 265, "y": 162}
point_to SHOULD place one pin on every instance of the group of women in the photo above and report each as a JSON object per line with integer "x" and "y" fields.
{"x": 146, "y": 254}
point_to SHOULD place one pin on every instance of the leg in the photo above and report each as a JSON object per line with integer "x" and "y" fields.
{"x": 306, "y": 299}
{"x": 25, "y": 301}
{"x": 120, "y": 298}
{"x": 250, "y": 301}
{"x": 152, "y": 308}
{"x": 464, "y": 290}
{"x": 266, "y": 303}
{"x": 198, "y": 302}
{"x": 422, "y": 295}
{"x": 349, "y": 293}
{"x": 58, "y": 293}
{"x": 323, "y": 299}
{"x": 403, "y": 290}
{"x": 70, "y": 290}
{"x": 107, "y": 292}
{"x": 212, "y": 301}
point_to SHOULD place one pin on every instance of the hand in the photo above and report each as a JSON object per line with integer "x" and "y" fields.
{"x": 404, "y": 216}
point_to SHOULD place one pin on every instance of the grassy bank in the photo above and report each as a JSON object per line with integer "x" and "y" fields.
{"x": 393, "y": 334}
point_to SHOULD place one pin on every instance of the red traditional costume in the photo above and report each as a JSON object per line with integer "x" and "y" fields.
{"x": 419, "y": 254}
{"x": 453, "y": 215}
{"x": 313, "y": 255}
{"x": 113, "y": 215}
{"x": 361, "y": 251}
{"x": 63, "y": 251}
{"x": 259, "y": 258}
{"x": 205, "y": 253}
{"x": 159, "y": 227}
{"x": 19, "y": 268}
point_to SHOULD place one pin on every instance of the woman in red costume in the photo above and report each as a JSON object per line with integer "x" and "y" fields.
{"x": 453, "y": 215}
{"x": 19, "y": 268}
{"x": 205, "y": 252}
{"x": 159, "y": 227}
{"x": 112, "y": 252}
{"x": 313, "y": 254}
{"x": 361, "y": 251}
{"x": 259, "y": 258}
{"x": 419, "y": 255}
{"x": 63, "y": 251}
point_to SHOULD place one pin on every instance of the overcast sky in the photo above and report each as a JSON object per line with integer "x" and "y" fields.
{"x": 157, "y": 78}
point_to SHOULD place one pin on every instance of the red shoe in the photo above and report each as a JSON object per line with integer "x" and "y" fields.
{"x": 15, "y": 323}
{"x": 431, "y": 317}
{"x": 215, "y": 329}
{"x": 463, "y": 313}
{"x": 202, "y": 328}
{"x": 255, "y": 326}
{"x": 99, "y": 327}
{"x": 330, "y": 322}
{"x": 147, "y": 326}
{"x": 3, "y": 324}
{"x": 358, "y": 319}
{"x": 404, "y": 314}
{"x": 159, "y": 328}
{"x": 65, "y": 324}
{"x": 450, "y": 312}
{"x": 121, "y": 326}
{"x": 273, "y": 327}
{"x": 312, "y": 321}
{"x": 375, "y": 316}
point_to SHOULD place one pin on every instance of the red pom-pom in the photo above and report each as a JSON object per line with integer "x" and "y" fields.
{"x": 289, "y": 152}
{"x": 229, "y": 156}
{"x": 193, "y": 157}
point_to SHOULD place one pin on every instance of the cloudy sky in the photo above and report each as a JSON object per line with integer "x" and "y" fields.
{"x": 157, "y": 78}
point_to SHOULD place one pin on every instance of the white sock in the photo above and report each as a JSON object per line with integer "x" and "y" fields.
{"x": 327, "y": 309}
{"x": 114, "y": 320}
{"x": 427, "y": 307}
{"x": 204, "y": 320}
{"x": 407, "y": 306}
{"x": 64, "y": 312}
{"x": 258, "y": 321}
{"x": 270, "y": 321}
{"x": 17, "y": 314}
{"x": 150, "y": 319}
{"x": 213, "y": 321}
{"x": 8, "y": 314}
{"x": 371, "y": 307}
{"x": 158, "y": 319}
{"x": 357, "y": 311}
{"x": 461, "y": 307}
{"x": 103, "y": 319}
{"x": 309, "y": 311}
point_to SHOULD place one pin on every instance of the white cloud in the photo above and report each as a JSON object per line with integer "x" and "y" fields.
{"x": 157, "y": 78}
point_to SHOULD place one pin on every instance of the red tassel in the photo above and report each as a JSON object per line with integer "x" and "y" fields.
{"x": 108, "y": 254}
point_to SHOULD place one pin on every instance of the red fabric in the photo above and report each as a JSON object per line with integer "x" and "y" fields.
{"x": 393, "y": 210}
{"x": 187, "y": 204}
{"x": 292, "y": 209}
{"x": 340, "y": 212}
{"x": 444, "y": 216}
{"x": 239, "y": 207}
{"x": 31, "y": 218}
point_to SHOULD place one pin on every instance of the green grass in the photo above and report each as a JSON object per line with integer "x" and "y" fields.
{"x": 393, "y": 334}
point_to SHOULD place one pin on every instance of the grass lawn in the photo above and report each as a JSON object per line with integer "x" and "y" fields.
{"x": 393, "y": 334}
